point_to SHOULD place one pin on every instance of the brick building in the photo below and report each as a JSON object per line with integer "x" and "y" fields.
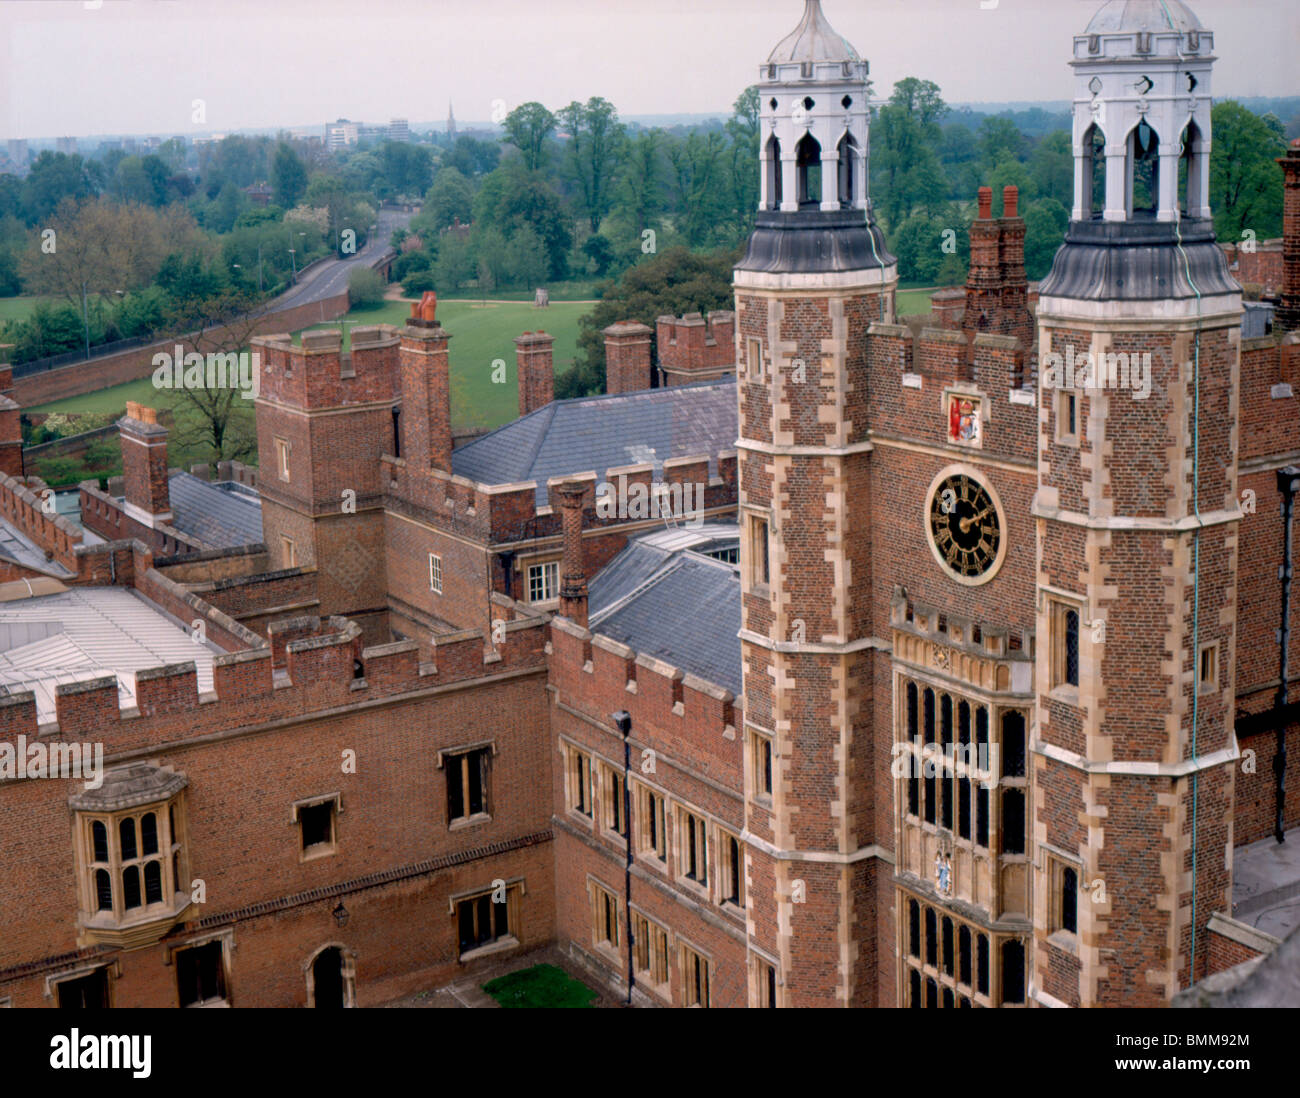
{"x": 908, "y": 666}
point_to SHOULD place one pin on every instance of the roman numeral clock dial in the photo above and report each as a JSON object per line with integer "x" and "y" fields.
{"x": 965, "y": 528}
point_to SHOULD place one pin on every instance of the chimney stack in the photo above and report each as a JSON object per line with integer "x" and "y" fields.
{"x": 426, "y": 389}
{"x": 533, "y": 354}
{"x": 144, "y": 466}
{"x": 573, "y": 575}
{"x": 1287, "y": 316}
{"x": 627, "y": 357}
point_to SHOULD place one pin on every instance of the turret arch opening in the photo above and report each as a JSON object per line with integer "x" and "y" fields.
{"x": 849, "y": 157}
{"x": 808, "y": 172}
{"x": 1143, "y": 176}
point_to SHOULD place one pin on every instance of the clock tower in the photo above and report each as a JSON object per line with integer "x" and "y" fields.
{"x": 815, "y": 277}
{"x": 1137, "y": 513}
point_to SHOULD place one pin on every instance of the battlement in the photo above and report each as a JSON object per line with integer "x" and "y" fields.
{"x": 509, "y": 512}
{"x": 319, "y": 374}
{"x": 693, "y": 348}
{"x": 990, "y": 657}
{"x": 605, "y": 676}
{"x": 308, "y": 668}
{"x": 22, "y": 505}
{"x": 103, "y": 513}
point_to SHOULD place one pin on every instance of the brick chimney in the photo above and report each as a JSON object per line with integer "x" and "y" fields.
{"x": 424, "y": 373}
{"x": 144, "y": 466}
{"x": 1287, "y": 316}
{"x": 573, "y": 573}
{"x": 627, "y": 357}
{"x": 997, "y": 291}
{"x": 533, "y": 354}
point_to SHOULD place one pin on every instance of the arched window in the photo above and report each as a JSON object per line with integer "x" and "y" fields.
{"x": 1072, "y": 647}
{"x": 914, "y": 989}
{"x": 1094, "y": 172}
{"x": 1192, "y": 195}
{"x": 913, "y": 928}
{"x": 774, "y": 173}
{"x": 1143, "y": 170}
{"x": 808, "y": 172}
{"x": 849, "y": 154}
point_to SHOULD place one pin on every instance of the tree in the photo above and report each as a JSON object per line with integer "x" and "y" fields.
{"x": 219, "y": 420}
{"x": 527, "y": 128}
{"x": 473, "y": 158}
{"x": 526, "y": 260}
{"x": 53, "y": 178}
{"x": 512, "y": 196}
{"x": 906, "y": 167}
{"x": 453, "y": 267}
{"x": 365, "y": 288}
{"x": 676, "y": 281}
{"x": 1051, "y": 166}
{"x": 1245, "y": 182}
{"x": 592, "y": 154}
{"x": 451, "y": 198}
{"x": 288, "y": 176}
{"x": 1045, "y": 222}
{"x": 1000, "y": 141}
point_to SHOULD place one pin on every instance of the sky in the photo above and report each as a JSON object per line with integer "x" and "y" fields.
{"x": 84, "y": 67}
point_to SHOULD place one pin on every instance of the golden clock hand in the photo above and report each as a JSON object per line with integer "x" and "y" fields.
{"x": 966, "y": 523}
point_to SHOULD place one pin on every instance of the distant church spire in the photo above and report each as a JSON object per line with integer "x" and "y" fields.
{"x": 451, "y": 120}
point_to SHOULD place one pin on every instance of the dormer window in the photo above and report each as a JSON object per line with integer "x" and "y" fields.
{"x": 129, "y": 848}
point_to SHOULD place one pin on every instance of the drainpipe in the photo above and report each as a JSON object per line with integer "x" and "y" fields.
{"x": 623, "y": 722}
{"x": 1288, "y": 481}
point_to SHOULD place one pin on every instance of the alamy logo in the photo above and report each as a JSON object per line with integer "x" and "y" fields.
{"x": 102, "y": 1052}
{"x": 52, "y": 760}
{"x": 216, "y": 370}
{"x": 915, "y": 760}
{"x": 651, "y": 501}
{"x": 1097, "y": 370}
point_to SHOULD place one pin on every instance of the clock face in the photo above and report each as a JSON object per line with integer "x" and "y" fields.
{"x": 964, "y": 527}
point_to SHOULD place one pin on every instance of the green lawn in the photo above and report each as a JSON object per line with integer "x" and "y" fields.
{"x": 19, "y": 308}
{"x": 480, "y": 336}
{"x": 539, "y": 986}
{"x": 913, "y": 302}
{"x": 106, "y": 400}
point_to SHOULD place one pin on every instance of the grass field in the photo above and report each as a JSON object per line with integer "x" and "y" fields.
{"x": 482, "y": 335}
{"x": 913, "y": 302}
{"x": 19, "y": 308}
{"x": 539, "y": 986}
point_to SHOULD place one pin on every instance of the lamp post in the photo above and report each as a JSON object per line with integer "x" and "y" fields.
{"x": 623, "y": 722}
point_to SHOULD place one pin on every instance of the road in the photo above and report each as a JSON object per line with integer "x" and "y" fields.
{"x": 331, "y": 277}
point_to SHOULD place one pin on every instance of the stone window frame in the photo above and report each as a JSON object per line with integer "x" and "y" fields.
{"x": 310, "y": 854}
{"x": 1056, "y": 863}
{"x": 693, "y": 995}
{"x": 172, "y": 847}
{"x": 686, "y": 817}
{"x": 226, "y": 938}
{"x": 612, "y": 803}
{"x": 435, "y": 573}
{"x": 447, "y": 755}
{"x": 723, "y": 836}
{"x": 1208, "y": 684}
{"x": 758, "y": 578}
{"x": 754, "y": 358}
{"x": 760, "y": 769}
{"x": 607, "y": 928}
{"x": 516, "y": 889}
{"x": 349, "y": 973}
{"x": 1059, "y": 605}
{"x": 289, "y": 551}
{"x": 650, "y": 800}
{"x": 112, "y": 969}
{"x": 575, "y": 758}
{"x": 764, "y": 992}
{"x": 1067, "y": 401}
{"x": 927, "y": 972}
{"x": 652, "y": 941}
{"x": 283, "y": 448}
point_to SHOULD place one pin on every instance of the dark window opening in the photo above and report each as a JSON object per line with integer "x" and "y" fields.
{"x": 467, "y": 784}
{"x": 1013, "y": 744}
{"x": 327, "y": 980}
{"x": 481, "y": 921}
{"x": 931, "y": 938}
{"x": 1013, "y": 972}
{"x": 774, "y": 179}
{"x": 1070, "y": 901}
{"x": 1013, "y": 821}
{"x": 982, "y": 964}
{"x": 963, "y": 955}
{"x": 317, "y": 822}
{"x": 808, "y": 172}
{"x": 982, "y": 816}
{"x": 200, "y": 974}
{"x": 914, "y": 989}
{"x": 913, "y": 928}
{"x": 1072, "y": 647}
{"x": 85, "y": 992}
{"x": 947, "y": 946}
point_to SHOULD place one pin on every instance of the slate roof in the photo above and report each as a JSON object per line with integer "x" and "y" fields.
{"x": 87, "y": 633}
{"x": 674, "y": 604}
{"x": 598, "y": 433}
{"x": 225, "y": 515}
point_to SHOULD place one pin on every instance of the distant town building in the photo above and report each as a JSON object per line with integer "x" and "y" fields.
{"x": 17, "y": 151}
{"x": 399, "y": 130}
{"x": 341, "y": 133}
{"x": 66, "y": 145}
{"x": 259, "y": 194}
